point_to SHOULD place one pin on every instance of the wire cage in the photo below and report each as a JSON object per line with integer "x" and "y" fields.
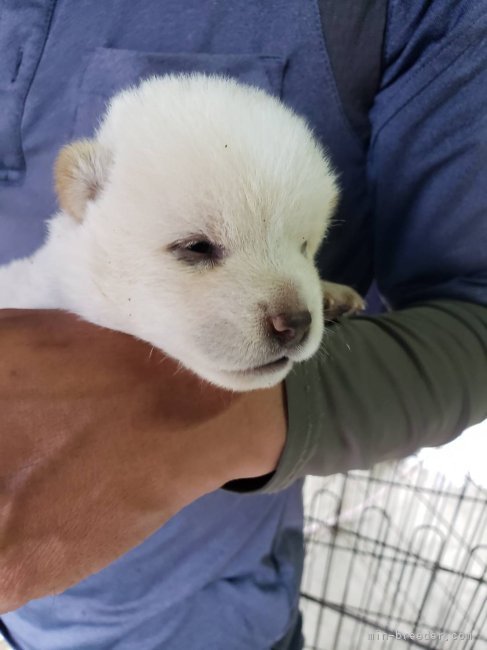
{"x": 396, "y": 557}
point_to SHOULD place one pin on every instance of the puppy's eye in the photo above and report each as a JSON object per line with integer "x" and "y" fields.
{"x": 200, "y": 247}
{"x": 304, "y": 248}
{"x": 197, "y": 251}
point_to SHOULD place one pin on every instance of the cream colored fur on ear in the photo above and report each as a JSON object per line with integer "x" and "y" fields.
{"x": 81, "y": 171}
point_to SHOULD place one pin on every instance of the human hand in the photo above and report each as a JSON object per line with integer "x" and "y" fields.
{"x": 102, "y": 440}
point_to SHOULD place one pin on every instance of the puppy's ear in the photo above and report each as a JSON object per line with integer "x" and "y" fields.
{"x": 81, "y": 172}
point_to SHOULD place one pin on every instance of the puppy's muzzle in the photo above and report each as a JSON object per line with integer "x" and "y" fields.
{"x": 290, "y": 329}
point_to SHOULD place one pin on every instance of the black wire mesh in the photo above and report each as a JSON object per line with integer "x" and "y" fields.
{"x": 396, "y": 557}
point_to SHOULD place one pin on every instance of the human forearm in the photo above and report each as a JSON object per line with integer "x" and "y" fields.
{"x": 95, "y": 485}
{"x": 101, "y": 442}
{"x": 382, "y": 387}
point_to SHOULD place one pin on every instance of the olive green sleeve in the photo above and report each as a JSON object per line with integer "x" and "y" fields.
{"x": 381, "y": 387}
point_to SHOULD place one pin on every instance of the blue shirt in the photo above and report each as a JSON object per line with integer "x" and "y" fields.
{"x": 224, "y": 573}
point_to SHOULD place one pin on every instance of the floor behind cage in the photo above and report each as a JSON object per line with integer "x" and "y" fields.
{"x": 396, "y": 557}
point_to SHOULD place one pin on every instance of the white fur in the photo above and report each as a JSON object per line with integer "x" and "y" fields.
{"x": 193, "y": 155}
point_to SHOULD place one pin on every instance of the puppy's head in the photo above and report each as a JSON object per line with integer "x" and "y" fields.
{"x": 201, "y": 204}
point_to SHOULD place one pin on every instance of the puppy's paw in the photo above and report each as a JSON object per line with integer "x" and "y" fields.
{"x": 340, "y": 300}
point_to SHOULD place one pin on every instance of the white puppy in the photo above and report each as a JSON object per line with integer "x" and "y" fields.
{"x": 191, "y": 221}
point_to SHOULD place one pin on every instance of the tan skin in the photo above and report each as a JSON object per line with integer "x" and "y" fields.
{"x": 102, "y": 441}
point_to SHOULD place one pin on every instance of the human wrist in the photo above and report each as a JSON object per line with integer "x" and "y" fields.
{"x": 255, "y": 434}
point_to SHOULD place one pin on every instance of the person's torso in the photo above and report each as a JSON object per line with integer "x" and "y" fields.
{"x": 227, "y": 560}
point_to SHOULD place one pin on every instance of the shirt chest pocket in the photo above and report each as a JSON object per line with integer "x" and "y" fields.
{"x": 109, "y": 71}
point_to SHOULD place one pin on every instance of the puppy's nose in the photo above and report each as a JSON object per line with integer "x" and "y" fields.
{"x": 290, "y": 328}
